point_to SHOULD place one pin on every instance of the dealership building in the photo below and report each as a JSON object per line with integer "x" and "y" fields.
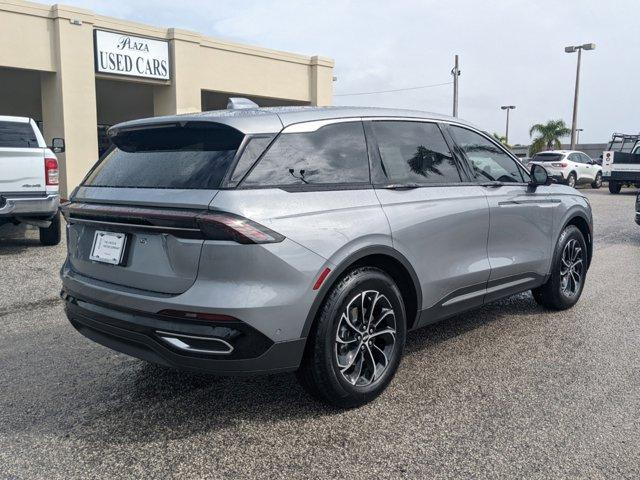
{"x": 77, "y": 73}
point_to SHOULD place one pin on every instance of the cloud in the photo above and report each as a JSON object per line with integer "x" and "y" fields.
{"x": 511, "y": 52}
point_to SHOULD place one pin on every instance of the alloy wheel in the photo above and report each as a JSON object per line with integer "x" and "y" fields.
{"x": 365, "y": 338}
{"x": 572, "y": 268}
{"x": 571, "y": 181}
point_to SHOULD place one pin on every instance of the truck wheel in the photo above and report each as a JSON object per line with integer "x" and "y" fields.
{"x": 355, "y": 346}
{"x": 51, "y": 235}
{"x": 614, "y": 187}
{"x": 568, "y": 272}
{"x": 571, "y": 180}
{"x": 597, "y": 183}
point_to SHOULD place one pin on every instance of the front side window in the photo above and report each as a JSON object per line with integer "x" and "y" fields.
{"x": 414, "y": 152}
{"x": 17, "y": 135}
{"x": 489, "y": 162}
{"x": 333, "y": 154}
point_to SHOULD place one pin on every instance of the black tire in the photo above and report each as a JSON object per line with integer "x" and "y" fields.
{"x": 597, "y": 183}
{"x": 554, "y": 294}
{"x": 52, "y": 235}
{"x": 614, "y": 187}
{"x": 571, "y": 180}
{"x": 320, "y": 373}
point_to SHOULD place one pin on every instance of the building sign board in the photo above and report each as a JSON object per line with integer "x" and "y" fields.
{"x": 122, "y": 54}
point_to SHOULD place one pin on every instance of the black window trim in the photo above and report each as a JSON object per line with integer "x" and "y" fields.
{"x": 523, "y": 170}
{"x": 310, "y": 187}
{"x": 376, "y": 159}
{"x": 226, "y": 183}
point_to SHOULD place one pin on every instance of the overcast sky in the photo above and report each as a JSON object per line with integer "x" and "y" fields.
{"x": 511, "y": 52}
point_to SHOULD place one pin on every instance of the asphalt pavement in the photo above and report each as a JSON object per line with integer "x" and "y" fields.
{"x": 506, "y": 391}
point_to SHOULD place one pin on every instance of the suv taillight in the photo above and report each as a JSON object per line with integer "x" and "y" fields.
{"x": 209, "y": 225}
{"x": 561, "y": 165}
{"x": 51, "y": 172}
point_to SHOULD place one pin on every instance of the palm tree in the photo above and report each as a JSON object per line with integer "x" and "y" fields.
{"x": 549, "y": 135}
{"x": 502, "y": 139}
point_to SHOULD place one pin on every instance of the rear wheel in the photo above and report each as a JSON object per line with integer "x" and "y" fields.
{"x": 52, "y": 234}
{"x": 597, "y": 183}
{"x": 355, "y": 347}
{"x": 571, "y": 180}
{"x": 614, "y": 187}
{"x": 568, "y": 272}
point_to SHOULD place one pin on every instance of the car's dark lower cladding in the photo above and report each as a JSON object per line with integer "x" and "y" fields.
{"x": 136, "y": 334}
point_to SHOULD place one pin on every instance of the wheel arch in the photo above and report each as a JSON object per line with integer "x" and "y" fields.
{"x": 581, "y": 222}
{"x": 387, "y": 259}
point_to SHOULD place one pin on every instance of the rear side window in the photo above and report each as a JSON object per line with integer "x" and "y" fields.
{"x": 414, "y": 152}
{"x": 197, "y": 155}
{"x": 250, "y": 153}
{"x": 17, "y": 135}
{"x": 489, "y": 162}
{"x": 333, "y": 154}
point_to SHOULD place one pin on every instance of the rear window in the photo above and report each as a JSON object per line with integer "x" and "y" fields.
{"x": 17, "y": 135}
{"x": 547, "y": 157}
{"x": 192, "y": 156}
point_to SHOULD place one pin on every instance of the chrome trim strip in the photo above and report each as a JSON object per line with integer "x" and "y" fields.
{"x": 173, "y": 340}
{"x": 313, "y": 125}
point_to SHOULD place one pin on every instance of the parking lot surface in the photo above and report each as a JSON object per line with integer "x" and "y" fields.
{"x": 509, "y": 390}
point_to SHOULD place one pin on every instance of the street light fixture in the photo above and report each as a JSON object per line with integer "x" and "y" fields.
{"x": 578, "y": 130}
{"x": 506, "y": 134}
{"x": 577, "y": 48}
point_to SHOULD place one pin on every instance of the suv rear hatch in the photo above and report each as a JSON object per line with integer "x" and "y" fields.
{"x": 21, "y": 158}
{"x": 137, "y": 220}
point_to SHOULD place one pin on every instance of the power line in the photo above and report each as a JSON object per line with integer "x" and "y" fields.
{"x": 394, "y": 90}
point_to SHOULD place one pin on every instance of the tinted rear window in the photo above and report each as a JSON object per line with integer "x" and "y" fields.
{"x": 333, "y": 154}
{"x": 17, "y": 135}
{"x": 195, "y": 156}
{"x": 547, "y": 157}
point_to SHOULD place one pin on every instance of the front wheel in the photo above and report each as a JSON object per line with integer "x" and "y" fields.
{"x": 356, "y": 344}
{"x": 568, "y": 272}
{"x": 614, "y": 187}
{"x": 597, "y": 183}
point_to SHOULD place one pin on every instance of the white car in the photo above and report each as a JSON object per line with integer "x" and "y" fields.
{"x": 569, "y": 166}
{"x": 29, "y": 178}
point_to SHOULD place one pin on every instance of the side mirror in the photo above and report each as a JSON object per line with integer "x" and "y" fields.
{"x": 539, "y": 176}
{"x": 57, "y": 145}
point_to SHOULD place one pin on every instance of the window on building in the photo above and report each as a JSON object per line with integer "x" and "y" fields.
{"x": 333, "y": 154}
{"x": 414, "y": 152}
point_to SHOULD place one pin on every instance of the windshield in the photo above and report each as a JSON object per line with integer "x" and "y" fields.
{"x": 194, "y": 156}
{"x": 547, "y": 157}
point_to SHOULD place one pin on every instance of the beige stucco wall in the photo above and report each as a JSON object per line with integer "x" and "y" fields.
{"x": 57, "y": 41}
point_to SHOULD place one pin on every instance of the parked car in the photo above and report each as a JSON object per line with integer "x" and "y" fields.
{"x": 638, "y": 208}
{"x": 570, "y": 167}
{"x": 309, "y": 239}
{"x": 29, "y": 178}
{"x": 621, "y": 162}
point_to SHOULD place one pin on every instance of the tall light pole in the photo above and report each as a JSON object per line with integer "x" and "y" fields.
{"x": 578, "y": 130}
{"x": 506, "y": 134}
{"x": 578, "y": 48}
{"x": 455, "y": 71}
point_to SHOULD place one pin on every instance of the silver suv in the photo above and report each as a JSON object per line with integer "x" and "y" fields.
{"x": 309, "y": 239}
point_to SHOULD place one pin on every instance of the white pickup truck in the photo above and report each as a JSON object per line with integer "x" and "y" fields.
{"x": 29, "y": 178}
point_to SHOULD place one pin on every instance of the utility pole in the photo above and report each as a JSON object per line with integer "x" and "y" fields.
{"x": 507, "y": 108}
{"x": 456, "y": 73}
{"x": 578, "y": 48}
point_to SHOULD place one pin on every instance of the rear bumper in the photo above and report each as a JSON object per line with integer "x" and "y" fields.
{"x": 622, "y": 176}
{"x": 42, "y": 206}
{"x": 146, "y": 337}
